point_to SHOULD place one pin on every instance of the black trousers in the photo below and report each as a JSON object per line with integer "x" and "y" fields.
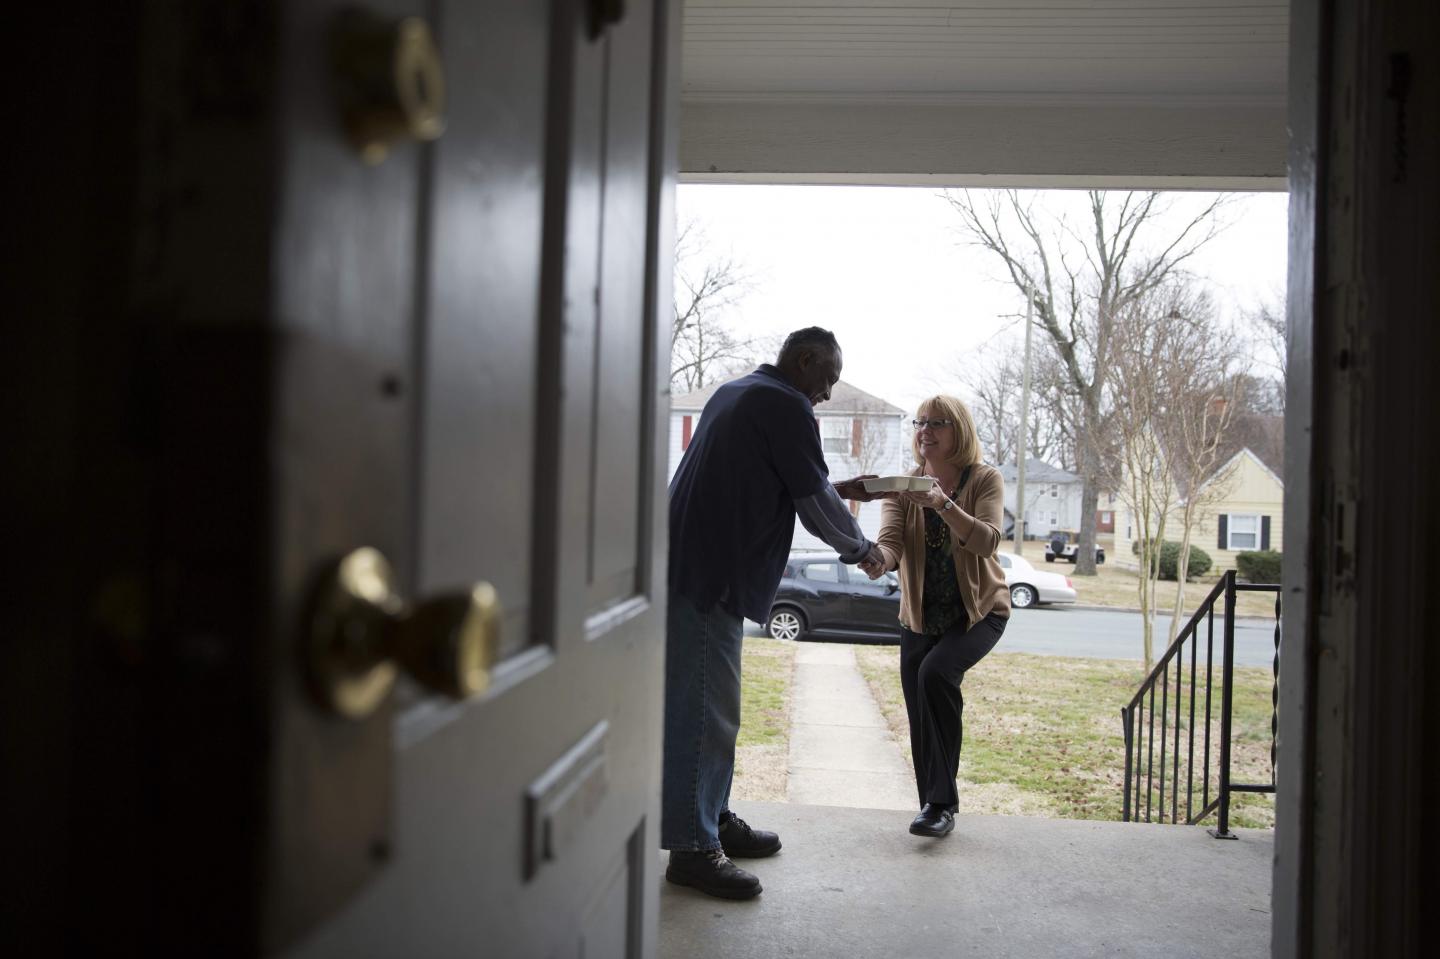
{"x": 931, "y": 668}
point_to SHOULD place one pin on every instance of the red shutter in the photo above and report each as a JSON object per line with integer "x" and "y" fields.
{"x": 855, "y": 428}
{"x": 686, "y": 425}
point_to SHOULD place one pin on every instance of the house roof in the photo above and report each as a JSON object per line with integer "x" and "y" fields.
{"x": 1224, "y": 469}
{"x": 1038, "y": 471}
{"x": 844, "y": 398}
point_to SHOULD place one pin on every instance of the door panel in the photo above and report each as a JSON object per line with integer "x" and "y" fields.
{"x": 482, "y": 298}
{"x": 621, "y": 388}
{"x": 524, "y": 821}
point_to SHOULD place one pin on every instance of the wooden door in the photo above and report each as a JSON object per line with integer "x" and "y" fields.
{"x": 252, "y": 350}
{"x": 524, "y": 821}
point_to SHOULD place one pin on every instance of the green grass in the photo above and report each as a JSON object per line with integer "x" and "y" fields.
{"x": 766, "y": 668}
{"x": 1045, "y": 732}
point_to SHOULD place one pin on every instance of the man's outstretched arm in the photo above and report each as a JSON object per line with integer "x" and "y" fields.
{"x": 826, "y": 516}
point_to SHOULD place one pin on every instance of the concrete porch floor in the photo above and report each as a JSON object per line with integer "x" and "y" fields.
{"x": 854, "y": 883}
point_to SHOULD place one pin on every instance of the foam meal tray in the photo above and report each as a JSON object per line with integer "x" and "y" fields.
{"x": 888, "y": 484}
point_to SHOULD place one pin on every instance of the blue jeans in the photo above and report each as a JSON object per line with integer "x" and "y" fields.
{"x": 702, "y": 719}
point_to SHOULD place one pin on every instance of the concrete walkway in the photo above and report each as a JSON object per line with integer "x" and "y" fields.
{"x": 841, "y": 750}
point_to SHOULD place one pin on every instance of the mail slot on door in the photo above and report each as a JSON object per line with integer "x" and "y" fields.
{"x": 560, "y": 801}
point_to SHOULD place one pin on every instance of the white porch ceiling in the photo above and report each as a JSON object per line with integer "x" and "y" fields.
{"x": 1032, "y": 92}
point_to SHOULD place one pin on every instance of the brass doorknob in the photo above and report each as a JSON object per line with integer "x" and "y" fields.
{"x": 361, "y": 632}
{"x": 389, "y": 79}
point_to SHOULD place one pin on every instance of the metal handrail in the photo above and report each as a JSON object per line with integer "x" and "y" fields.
{"x": 1140, "y": 738}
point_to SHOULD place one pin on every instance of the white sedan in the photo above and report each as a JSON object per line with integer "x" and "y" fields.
{"x": 1030, "y": 586}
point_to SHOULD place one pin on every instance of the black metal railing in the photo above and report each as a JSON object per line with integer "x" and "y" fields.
{"x": 1145, "y": 781}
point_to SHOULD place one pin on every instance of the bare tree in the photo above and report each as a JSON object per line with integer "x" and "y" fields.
{"x": 1054, "y": 427}
{"x": 1204, "y": 370}
{"x": 1141, "y": 470}
{"x": 1172, "y": 396}
{"x": 707, "y": 288}
{"x": 1080, "y": 282}
{"x": 1267, "y": 319}
{"x": 992, "y": 378}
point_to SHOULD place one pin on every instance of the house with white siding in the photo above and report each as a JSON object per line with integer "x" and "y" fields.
{"x": 1052, "y": 496}
{"x": 859, "y": 433}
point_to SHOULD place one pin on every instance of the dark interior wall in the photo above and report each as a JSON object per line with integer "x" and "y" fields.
{"x": 138, "y": 368}
{"x": 67, "y": 263}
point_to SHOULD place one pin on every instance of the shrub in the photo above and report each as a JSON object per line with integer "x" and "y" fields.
{"x": 1198, "y": 565}
{"x": 1259, "y": 566}
{"x": 1200, "y": 561}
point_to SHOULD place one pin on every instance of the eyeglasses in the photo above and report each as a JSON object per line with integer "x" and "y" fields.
{"x": 933, "y": 424}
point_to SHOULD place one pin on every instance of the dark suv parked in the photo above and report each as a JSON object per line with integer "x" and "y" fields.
{"x": 820, "y": 596}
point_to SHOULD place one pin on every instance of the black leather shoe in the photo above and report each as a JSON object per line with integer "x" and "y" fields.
{"x": 712, "y": 873}
{"x": 742, "y": 842}
{"x": 934, "y": 821}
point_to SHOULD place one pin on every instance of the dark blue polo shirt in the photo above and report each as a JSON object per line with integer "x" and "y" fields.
{"x": 732, "y": 501}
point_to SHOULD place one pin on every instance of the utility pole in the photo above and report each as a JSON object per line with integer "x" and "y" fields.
{"x": 1024, "y": 429}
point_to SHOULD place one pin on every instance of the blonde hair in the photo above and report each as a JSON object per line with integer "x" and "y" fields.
{"x": 967, "y": 443}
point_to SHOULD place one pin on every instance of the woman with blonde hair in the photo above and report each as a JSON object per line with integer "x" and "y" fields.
{"x": 954, "y": 603}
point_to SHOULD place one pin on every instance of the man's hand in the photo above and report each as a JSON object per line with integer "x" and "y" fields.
{"x": 854, "y": 489}
{"x": 873, "y": 565}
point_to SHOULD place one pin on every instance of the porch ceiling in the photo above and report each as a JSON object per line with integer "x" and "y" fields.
{"x": 1027, "y": 91}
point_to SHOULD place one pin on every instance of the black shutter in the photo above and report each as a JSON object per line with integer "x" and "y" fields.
{"x": 1264, "y": 532}
{"x": 1224, "y": 528}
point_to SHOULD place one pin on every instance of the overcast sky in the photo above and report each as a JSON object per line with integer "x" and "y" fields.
{"x": 886, "y": 269}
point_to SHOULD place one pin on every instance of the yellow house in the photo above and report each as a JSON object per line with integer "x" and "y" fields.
{"x": 1247, "y": 513}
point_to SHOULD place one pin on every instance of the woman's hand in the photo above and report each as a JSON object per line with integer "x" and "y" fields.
{"x": 934, "y": 497}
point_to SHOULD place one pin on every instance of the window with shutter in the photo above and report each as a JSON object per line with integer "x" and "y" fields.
{"x": 687, "y": 426}
{"x": 1244, "y": 531}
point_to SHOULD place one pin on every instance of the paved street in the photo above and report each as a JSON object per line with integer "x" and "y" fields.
{"x": 1114, "y": 634}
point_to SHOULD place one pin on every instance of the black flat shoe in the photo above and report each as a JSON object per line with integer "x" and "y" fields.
{"x": 712, "y": 873}
{"x": 742, "y": 842}
{"x": 934, "y": 821}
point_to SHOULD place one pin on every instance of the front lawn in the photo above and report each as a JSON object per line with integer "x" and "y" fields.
{"x": 1113, "y": 585}
{"x": 762, "y": 751}
{"x": 1043, "y": 735}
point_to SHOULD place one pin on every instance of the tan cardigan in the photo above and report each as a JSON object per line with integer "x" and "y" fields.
{"x": 974, "y": 536}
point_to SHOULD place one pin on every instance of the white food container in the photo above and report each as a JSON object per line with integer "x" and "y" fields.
{"x": 890, "y": 484}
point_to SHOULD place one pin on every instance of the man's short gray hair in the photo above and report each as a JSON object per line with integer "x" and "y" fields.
{"x": 812, "y": 339}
